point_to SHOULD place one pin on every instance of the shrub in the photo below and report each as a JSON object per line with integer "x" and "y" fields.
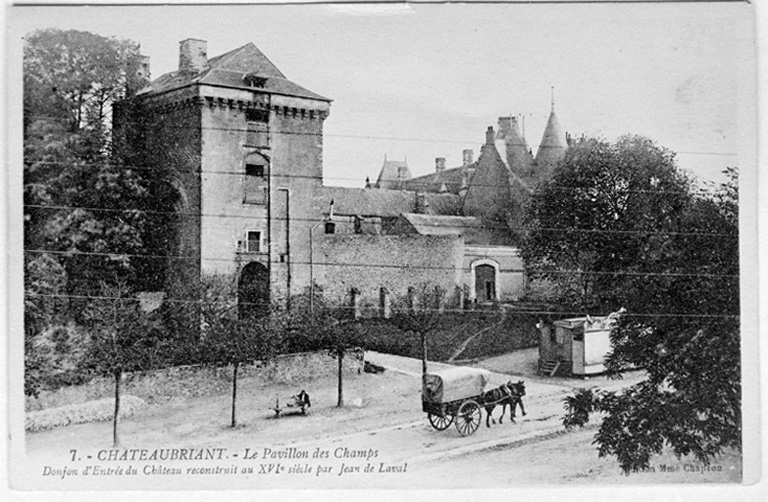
{"x": 92, "y": 411}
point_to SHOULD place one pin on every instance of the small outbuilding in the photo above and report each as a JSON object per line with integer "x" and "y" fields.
{"x": 576, "y": 346}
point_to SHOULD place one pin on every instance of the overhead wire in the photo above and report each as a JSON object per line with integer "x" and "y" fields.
{"x": 490, "y": 226}
{"x": 287, "y": 176}
{"x": 421, "y": 309}
{"x": 388, "y": 265}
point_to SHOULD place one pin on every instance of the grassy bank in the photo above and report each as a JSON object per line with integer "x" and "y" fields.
{"x": 490, "y": 333}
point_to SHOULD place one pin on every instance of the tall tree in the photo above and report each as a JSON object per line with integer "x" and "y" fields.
{"x": 622, "y": 224}
{"x": 606, "y": 212}
{"x": 74, "y": 77}
{"x": 420, "y": 313}
{"x": 340, "y": 338}
{"x": 230, "y": 339}
{"x": 82, "y": 204}
{"x": 122, "y": 339}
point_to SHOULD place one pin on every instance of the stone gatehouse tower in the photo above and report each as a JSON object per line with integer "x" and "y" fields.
{"x": 243, "y": 146}
{"x": 244, "y": 143}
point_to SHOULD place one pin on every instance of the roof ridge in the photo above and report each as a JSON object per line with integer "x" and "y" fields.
{"x": 222, "y": 58}
{"x": 268, "y": 60}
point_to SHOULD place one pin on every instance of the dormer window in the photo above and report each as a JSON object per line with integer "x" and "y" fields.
{"x": 252, "y": 80}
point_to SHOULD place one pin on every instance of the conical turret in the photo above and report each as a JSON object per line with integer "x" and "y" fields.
{"x": 553, "y": 143}
{"x": 514, "y": 152}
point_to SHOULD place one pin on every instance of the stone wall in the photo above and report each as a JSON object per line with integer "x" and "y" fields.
{"x": 182, "y": 382}
{"x": 510, "y": 279}
{"x": 169, "y": 140}
{"x": 367, "y": 263}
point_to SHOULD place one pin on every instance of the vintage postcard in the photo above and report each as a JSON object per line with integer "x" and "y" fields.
{"x": 383, "y": 246}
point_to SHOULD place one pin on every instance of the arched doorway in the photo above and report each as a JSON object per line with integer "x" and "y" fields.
{"x": 253, "y": 291}
{"x": 485, "y": 283}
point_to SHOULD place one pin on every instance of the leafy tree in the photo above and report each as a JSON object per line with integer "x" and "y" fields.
{"x": 122, "y": 339}
{"x": 318, "y": 325}
{"x": 340, "y": 339}
{"x": 81, "y": 203}
{"x": 419, "y": 313}
{"x": 608, "y": 211}
{"x": 229, "y": 338}
{"x": 44, "y": 283}
{"x": 75, "y": 77}
{"x": 622, "y": 224}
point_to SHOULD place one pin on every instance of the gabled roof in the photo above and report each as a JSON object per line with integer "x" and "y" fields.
{"x": 246, "y": 59}
{"x": 488, "y": 194}
{"x": 228, "y": 70}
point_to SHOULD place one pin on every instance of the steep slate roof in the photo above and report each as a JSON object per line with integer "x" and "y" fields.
{"x": 363, "y": 202}
{"x": 553, "y": 143}
{"x": 384, "y": 203}
{"x": 471, "y": 228}
{"x": 432, "y": 182}
{"x": 515, "y": 152}
{"x": 489, "y": 192}
{"x": 442, "y": 203}
{"x": 228, "y": 70}
{"x": 431, "y": 224}
{"x": 393, "y": 174}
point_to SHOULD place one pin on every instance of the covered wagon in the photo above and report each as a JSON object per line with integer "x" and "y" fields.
{"x": 454, "y": 395}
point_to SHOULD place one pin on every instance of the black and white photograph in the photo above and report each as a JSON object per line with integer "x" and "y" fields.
{"x": 383, "y": 246}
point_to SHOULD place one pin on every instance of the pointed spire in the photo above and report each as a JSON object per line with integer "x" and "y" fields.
{"x": 553, "y": 142}
{"x": 552, "y": 91}
{"x": 516, "y": 153}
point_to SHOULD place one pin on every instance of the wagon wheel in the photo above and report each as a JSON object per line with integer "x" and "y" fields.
{"x": 468, "y": 418}
{"x": 440, "y": 422}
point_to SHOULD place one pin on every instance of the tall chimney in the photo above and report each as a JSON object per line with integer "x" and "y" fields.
{"x": 505, "y": 124}
{"x": 439, "y": 164}
{"x": 467, "y": 156}
{"x": 489, "y": 134}
{"x": 193, "y": 55}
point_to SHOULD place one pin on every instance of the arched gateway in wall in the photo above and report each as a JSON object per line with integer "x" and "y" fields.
{"x": 253, "y": 291}
{"x": 484, "y": 281}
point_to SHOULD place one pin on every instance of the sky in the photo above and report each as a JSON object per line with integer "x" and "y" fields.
{"x": 417, "y": 82}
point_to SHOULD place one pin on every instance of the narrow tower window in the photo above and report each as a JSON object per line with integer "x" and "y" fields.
{"x": 255, "y": 184}
{"x": 257, "y": 128}
{"x": 253, "y": 242}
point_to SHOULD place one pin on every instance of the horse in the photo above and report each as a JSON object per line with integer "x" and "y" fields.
{"x": 518, "y": 391}
{"x": 508, "y": 394}
{"x": 493, "y": 398}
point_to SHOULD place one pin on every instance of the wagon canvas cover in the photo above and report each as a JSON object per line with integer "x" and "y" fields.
{"x": 454, "y": 384}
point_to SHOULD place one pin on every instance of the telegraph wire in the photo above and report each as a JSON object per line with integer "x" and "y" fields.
{"x": 314, "y": 220}
{"x": 349, "y": 307}
{"x": 356, "y": 136}
{"x": 381, "y": 265}
{"x": 173, "y": 170}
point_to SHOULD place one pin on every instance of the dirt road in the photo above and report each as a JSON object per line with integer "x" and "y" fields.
{"x": 380, "y": 439}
